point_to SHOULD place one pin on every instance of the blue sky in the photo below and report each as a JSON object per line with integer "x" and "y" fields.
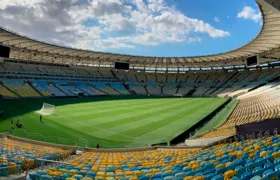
{"x": 137, "y": 27}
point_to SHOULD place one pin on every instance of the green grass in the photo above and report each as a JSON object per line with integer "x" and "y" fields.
{"x": 109, "y": 121}
{"x": 220, "y": 118}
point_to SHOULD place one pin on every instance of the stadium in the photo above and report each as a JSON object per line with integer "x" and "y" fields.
{"x": 75, "y": 114}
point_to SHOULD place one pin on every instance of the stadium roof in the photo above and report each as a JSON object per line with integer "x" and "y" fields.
{"x": 266, "y": 44}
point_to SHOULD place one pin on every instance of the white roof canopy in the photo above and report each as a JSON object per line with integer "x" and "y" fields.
{"x": 266, "y": 44}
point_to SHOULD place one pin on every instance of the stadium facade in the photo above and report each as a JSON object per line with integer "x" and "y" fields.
{"x": 39, "y": 70}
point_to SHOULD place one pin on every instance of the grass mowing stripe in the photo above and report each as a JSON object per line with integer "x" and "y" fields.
{"x": 110, "y": 112}
{"x": 120, "y": 115}
{"x": 155, "y": 116}
{"x": 141, "y": 116}
{"x": 103, "y": 111}
{"x": 219, "y": 118}
{"x": 165, "y": 121}
{"x": 173, "y": 129}
{"x": 104, "y": 130}
{"x": 106, "y": 104}
{"x": 195, "y": 118}
{"x": 101, "y": 133}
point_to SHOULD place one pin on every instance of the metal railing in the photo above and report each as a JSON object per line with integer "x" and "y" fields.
{"x": 10, "y": 170}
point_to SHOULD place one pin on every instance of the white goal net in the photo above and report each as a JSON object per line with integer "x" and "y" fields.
{"x": 47, "y": 109}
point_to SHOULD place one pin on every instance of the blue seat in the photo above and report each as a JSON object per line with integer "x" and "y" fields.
{"x": 240, "y": 170}
{"x": 235, "y": 178}
{"x": 246, "y": 175}
{"x": 180, "y": 175}
{"x": 269, "y": 174}
{"x": 277, "y": 161}
{"x": 168, "y": 178}
{"x": 178, "y": 178}
{"x": 189, "y": 173}
{"x": 256, "y": 178}
{"x": 156, "y": 176}
{"x": 269, "y": 165}
{"x": 144, "y": 178}
{"x": 218, "y": 177}
{"x": 250, "y": 165}
{"x": 46, "y": 177}
{"x": 186, "y": 169}
{"x": 209, "y": 176}
{"x": 165, "y": 174}
{"x": 4, "y": 170}
{"x": 91, "y": 174}
{"x": 260, "y": 162}
{"x": 258, "y": 171}
{"x": 221, "y": 170}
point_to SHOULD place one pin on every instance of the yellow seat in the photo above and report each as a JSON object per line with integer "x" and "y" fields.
{"x": 128, "y": 173}
{"x": 155, "y": 171}
{"x": 276, "y": 155}
{"x": 229, "y": 174}
{"x": 101, "y": 174}
{"x": 87, "y": 178}
{"x": 195, "y": 166}
{"x": 219, "y": 166}
{"x": 199, "y": 178}
{"x": 138, "y": 173}
{"x": 134, "y": 178}
{"x": 189, "y": 178}
{"x": 263, "y": 153}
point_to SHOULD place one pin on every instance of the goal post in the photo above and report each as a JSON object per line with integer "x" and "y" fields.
{"x": 47, "y": 109}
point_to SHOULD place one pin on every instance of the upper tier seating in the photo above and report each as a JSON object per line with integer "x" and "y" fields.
{"x": 258, "y": 159}
{"x": 201, "y": 83}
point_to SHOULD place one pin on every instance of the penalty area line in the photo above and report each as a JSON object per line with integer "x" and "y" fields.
{"x": 98, "y": 128}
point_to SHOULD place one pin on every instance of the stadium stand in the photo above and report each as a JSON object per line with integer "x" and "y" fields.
{"x": 250, "y": 159}
{"x": 170, "y": 89}
{"x": 44, "y": 88}
{"x": 260, "y": 104}
{"x": 138, "y": 88}
{"x": 119, "y": 87}
{"x": 78, "y": 72}
{"x": 6, "y": 93}
{"x": 20, "y": 87}
{"x": 88, "y": 89}
{"x": 17, "y": 156}
{"x": 154, "y": 89}
{"x": 104, "y": 88}
{"x": 67, "y": 88}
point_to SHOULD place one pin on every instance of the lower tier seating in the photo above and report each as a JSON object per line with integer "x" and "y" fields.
{"x": 21, "y": 88}
{"x": 259, "y": 106}
{"x": 251, "y": 159}
{"x": 16, "y": 154}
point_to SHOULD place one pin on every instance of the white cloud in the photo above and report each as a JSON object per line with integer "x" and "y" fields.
{"x": 103, "y": 24}
{"x": 250, "y": 14}
{"x": 216, "y": 19}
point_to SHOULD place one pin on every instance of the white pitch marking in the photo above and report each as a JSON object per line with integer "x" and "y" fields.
{"x": 99, "y": 128}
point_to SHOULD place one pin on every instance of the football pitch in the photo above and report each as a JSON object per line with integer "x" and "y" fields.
{"x": 109, "y": 121}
